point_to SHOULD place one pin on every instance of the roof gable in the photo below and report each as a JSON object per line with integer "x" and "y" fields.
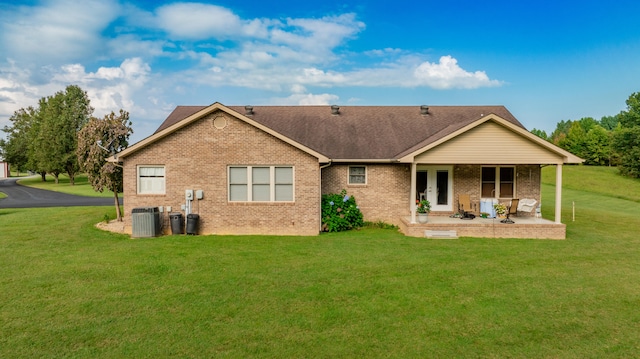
{"x": 491, "y": 140}
{"x": 176, "y": 123}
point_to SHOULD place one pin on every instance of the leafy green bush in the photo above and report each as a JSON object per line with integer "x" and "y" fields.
{"x": 340, "y": 212}
{"x": 379, "y": 225}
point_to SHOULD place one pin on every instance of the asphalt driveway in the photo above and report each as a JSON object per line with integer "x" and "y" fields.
{"x": 26, "y": 197}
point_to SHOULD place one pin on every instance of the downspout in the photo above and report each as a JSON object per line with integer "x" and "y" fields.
{"x": 320, "y": 188}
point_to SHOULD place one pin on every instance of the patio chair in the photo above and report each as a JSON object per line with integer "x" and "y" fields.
{"x": 511, "y": 209}
{"x": 464, "y": 206}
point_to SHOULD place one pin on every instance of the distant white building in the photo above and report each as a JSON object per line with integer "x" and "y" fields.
{"x": 4, "y": 169}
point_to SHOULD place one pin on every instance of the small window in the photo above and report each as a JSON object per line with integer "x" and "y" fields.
{"x": 498, "y": 182}
{"x": 151, "y": 180}
{"x": 260, "y": 184}
{"x": 357, "y": 175}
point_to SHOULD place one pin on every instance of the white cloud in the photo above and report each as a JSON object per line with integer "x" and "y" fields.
{"x": 306, "y": 99}
{"x": 447, "y": 74}
{"x": 14, "y": 90}
{"x": 317, "y": 35}
{"x": 107, "y": 48}
{"x": 318, "y": 77}
{"x": 56, "y": 31}
{"x": 383, "y": 52}
{"x": 128, "y": 45}
{"x": 202, "y": 21}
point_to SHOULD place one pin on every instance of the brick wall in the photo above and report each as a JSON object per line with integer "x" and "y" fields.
{"x": 197, "y": 156}
{"x": 385, "y": 196}
{"x": 479, "y": 229}
{"x": 467, "y": 180}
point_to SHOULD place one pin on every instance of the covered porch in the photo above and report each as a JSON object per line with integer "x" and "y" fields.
{"x": 486, "y": 161}
{"x": 440, "y": 226}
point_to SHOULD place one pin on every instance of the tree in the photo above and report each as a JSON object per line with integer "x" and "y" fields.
{"x": 62, "y": 116}
{"x": 540, "y": 133}
{"x": 15, "y": 148}
{"x": 110, "y": 133}
{"x": 574, "y": 140}
{"x": 585, "y": 138}
{"x": 598, "y": 147}
{"x": 631, "y": 117}
{"x": 609, "y": 123}
{"x": 560, "y": 133}
{"x": 36, "y": 154}
{"x": 627, "y": 137}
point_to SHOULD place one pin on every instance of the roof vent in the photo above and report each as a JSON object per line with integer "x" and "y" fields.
{"x": 335, "y": 109}
{"x": 248, "y": 110}
{"x": 424, "y": 110}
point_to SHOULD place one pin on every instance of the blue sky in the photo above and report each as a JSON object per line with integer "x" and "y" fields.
{"x": 546, "y": 61}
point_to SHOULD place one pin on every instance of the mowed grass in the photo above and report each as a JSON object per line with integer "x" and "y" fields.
{"x": 81, "y": 186}
{"x": 70, "y": 290}
{"x": 600, "y": 180}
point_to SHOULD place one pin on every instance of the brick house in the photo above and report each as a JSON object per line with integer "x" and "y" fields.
{"x": 263, "y": 169}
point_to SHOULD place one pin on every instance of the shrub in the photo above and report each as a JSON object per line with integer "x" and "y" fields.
{"x": 380, "y": 225}
{"x": 340, "y": 212}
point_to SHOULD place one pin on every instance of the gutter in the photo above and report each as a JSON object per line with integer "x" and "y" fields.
{"x": 366, "y": 160}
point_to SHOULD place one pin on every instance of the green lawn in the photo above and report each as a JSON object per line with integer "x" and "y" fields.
{"x": 600, "y": 180}
{"x": 81, "y": 185}
{"x": 70, "y": 290}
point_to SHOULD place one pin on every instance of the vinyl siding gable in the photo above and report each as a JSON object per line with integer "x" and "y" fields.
{"x": 492, "y": 143}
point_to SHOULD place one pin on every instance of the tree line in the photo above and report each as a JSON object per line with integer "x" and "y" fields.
{"x": 610, "y": 141}
{"x": 61, "y": 135}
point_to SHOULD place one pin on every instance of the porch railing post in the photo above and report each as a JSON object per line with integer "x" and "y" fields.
{"x": 558, "y": 215}
{"x": 412, "y": 196}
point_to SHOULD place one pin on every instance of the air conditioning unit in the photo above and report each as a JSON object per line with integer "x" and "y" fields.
{"x": 145, "y": 222}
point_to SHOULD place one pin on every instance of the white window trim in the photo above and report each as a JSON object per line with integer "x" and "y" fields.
{"x": 366, "y": 179}
{"x": 272, "y": 183}
{"x": 139, "y": 185}
{"x": 498, "y": 181}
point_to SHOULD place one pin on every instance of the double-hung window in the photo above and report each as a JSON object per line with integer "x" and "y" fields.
{"x": 498, "y": 182}
{"x": 151, "y": 180}
{"x": 357, "y": 175}
{"x": 260, "y": 183}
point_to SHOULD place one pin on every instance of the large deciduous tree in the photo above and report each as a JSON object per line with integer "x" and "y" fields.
{"x": 627, "y": 137}
{"x": 15, "y": 148}
{"x": 97, "y": 140}
{"x": 44, "y": 139}
{"x": 585, "y": 138}
{"x": 62, "y": 116}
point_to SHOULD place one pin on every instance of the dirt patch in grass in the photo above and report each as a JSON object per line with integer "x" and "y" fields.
{"x": 111, "y": 226}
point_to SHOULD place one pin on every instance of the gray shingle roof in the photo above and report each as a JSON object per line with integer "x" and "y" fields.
{"x": 360, "y": 132}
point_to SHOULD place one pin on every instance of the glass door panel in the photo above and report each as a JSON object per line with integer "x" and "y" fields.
{"x": 434, "y": 183}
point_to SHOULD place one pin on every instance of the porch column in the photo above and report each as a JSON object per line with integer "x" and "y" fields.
{"x": 558, "y": 216}
{"x": 412, "y": 196}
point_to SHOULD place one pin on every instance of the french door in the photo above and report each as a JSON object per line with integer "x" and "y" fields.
{"x": 435, "y": 184}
